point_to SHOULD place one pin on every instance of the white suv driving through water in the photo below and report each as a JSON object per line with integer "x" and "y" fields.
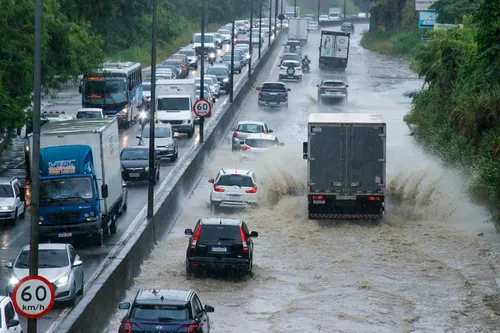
{"x": 290, "y": 70}
{"x": 233, "y": 188}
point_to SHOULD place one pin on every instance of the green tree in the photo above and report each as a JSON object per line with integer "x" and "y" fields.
{"x": 453, "y": 11}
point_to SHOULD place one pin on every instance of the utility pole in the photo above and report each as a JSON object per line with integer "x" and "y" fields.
{"x": 35, "y": 170}
{"x": 251, "y": 45}
{"x": 345, "y": 8}
{"x": 281, "y": 23}
{"x": 152, "y": 121}
{"x": 275, "y": 17}
{"x": 295, "y": 8}
{"x": 319, "y": 8}
{"x": 202, "y": 66}
{"x": 270, "y": 26}
{"x": 260, "y": 30}
{"x": 231, "y": 79}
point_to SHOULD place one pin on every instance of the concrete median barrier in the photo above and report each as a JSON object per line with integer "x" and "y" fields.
{"x": 122, "y": 266}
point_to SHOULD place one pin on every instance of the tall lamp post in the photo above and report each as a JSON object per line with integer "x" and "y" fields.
{"x": 35, "y": 170}
{"x": 319, "y": 7}
{"x": 270, "y": 26}
{"x": 275, "y": 16}
{"x": 281, "y": 23}
{"x": 202, "y": 66}
{"x": 345, "y": 8}
{"x": 231, "y": 79}
{"x": 260, "y": 30}
{"x": 152, "y": 109}
{"x": 295, "y": 8}
{"x": 251, "y": 46}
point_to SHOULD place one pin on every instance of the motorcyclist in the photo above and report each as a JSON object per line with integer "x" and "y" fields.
{"x": 306, "y": 61}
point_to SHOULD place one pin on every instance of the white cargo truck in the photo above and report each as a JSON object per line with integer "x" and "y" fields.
{"x": 298, "y": 29}
{"x": 346, "y": 166}
{"x": 335, "y": 14}
{"x": 334, "y": 49}
{"x": 174, "y": 104}
{"x": 81, "y": 186}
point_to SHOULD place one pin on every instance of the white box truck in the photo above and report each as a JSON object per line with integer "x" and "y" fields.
{"x": 346, "y": 166}
{"x": 298, "y": 29}
{"x": 174, "y": 104}
{"x": 81, "y": 187}
{"x": 335, "y": 14}
{"x": 334, "y": 49}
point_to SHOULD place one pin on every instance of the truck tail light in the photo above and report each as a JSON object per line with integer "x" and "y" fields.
{"x": 374, "y": 198}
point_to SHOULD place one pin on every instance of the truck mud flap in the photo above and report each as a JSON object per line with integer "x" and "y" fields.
{"x": 322, "y": 216}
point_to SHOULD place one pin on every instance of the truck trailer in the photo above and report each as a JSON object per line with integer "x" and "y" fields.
{"x": 346, "y": 166}
{"x": 81, "y": 187}
{"x": 334, "y": 50}
{"x": 298, "y": 29}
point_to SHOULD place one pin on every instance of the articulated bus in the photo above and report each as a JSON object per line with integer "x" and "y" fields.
{"x": 117, "y": 89}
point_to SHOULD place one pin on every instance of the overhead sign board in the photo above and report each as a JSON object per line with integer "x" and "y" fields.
{"x": 426, "y": 19}
{"x": 423, "y": 4}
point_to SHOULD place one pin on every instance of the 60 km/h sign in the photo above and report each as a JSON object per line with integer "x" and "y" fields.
{"x": 202, "y": 108}
{"x": 33, "y": 297}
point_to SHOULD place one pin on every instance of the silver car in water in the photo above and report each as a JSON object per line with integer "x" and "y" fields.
{"x": 58, "y": 263}
{"x": 226, "y": 59}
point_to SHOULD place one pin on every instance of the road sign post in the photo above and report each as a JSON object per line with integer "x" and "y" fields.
{"x": 33, "y": 297}
{"x": 202, "y": 108}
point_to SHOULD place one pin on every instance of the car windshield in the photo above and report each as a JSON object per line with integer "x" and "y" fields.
{"x": 66, "y": 191}
{"x": 260, "y": 143}
{"x": 55, "y": 258}
{"x": 134, "y": 154}
{"x": 171, "y": 63}
{"x": 235, "y": 180}
{"x": 208, "y": 39}
{"x": 109, "y": 90}
{"x": 159, "y": 313}
{"x": 88, "y": 114}
{"x": 293, "y": 43}
{"x": 160, "y": 132}
{"x": 189, "y": 53}
{"x": 210, "y": 233}
{"x": 218, "y": 71}
{"x": 223, "y": 32}
{"x": 250, "y": 128}
{"x": 273, "y": 86}
{"x": 173, "y": 104}
{"x": 6, "y": 191}
{"x": 291, "y": 57}
{"x": 333, "y": 84}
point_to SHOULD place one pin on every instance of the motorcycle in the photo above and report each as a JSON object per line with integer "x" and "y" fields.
{"x": 306, "y": 68}
{"x": 143, "y": 118}
{"x": 211, "y": 58}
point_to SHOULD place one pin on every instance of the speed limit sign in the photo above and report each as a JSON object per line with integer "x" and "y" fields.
{"x": 202, "y": 108}
{"x": 33, "y": 296}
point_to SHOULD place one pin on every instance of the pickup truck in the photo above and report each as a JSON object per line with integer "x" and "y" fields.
{"x": 273, "y": 94}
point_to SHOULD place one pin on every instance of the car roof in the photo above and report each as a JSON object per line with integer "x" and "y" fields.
{"x": 333, "y": 81}
{"x": 261, "y": 136}
{"x": 162, "y": 296}
{"x": 220, "y": 221}
{"x": 243, "y": 122}
{"x": 90, "y": 109}
{"x": 242, "y": 172}
{"x": 218, "y": 66}
{"x": 48, "y": 246}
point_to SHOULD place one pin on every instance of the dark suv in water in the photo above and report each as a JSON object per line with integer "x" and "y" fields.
{"x": 165, "y": 310}
{"x": 220, "y": 243}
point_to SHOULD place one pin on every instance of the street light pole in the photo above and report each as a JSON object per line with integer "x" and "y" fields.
{"x": 202, "y": 66}
{"x": 295, "y": 8}
{"x": 281, "y": 21}
{"x": 231, "y": 79}
{"x": 251, "y": 45}
{"x": 345, "y": 8}
{"x": 260, "y": 29}
{"x": 319, "y": 7}
{"x": 152, "y": 108}
{"x": 35, "y": 170}
{"x": 270, "y": 26}
{"x": 275, "y": 16}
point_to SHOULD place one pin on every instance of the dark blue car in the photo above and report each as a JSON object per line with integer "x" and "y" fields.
{"x": 165, "y": 310}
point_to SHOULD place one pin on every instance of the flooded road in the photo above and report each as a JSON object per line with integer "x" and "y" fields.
{"x": 432, "y": 265}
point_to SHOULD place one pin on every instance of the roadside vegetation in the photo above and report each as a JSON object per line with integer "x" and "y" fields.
{"x": 311, "y": 7}
{"x": 457, "y": 111}
{"x": 79, "y": 35}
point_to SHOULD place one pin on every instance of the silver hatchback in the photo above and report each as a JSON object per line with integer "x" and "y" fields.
{"x": 246, "y": 128}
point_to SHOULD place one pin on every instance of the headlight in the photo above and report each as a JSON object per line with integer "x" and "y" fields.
{"x": 225, "y": 80}
{"x": 13, "y": 281}
{"x": 143, "y": 115}
{"x": 146, "y": 169}
{"x": 124, "y": 110}
{"x": 248, "y": 56}
{"x": 6, "y": 208}
{"x": 212, "y": 55}
{"x": 185, "y": 122}
{"x": 63, "y": 279}
{"x": 169, "y": 146}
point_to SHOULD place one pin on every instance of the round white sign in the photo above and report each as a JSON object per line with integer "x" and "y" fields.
{"x": 33, "y": 296}
{"x": 202, "y": 108}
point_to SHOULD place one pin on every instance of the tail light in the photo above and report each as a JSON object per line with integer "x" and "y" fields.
{"x": 217, "y": 188}
{"x": 374, "y": 198}
{"x": 235, "y": 134}
{"x": 253, "y": 190}
{"x": 260, "y": 94}
{"x": 191, "y": 328}
{"x": 245, "y": 147}
{"x": 283, "y": 67}
{"x": 195, "y": 238}
{"x": 244, "y": 240}
{"x": 299, "y": 68}
{"x": 286, "y": 96}
{"x": 126, "y": 327}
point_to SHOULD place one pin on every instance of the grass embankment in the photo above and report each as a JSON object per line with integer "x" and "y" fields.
{"x": 401, "y": 44}
{"x": 142, "y": 53}
{"x": 457, "y": 112}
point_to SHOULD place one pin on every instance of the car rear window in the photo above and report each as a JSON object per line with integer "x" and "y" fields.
{"x": 333, "y": 84}
{"x": 290, "y": 63}
{"x": 273, "y": 86}
{"x": 161, "y": 312}
{"x": 261, "y": 143}
{"x": 215, "y": 232}
{"x": 250, "y": 128}
{"x": 235, "y": 180}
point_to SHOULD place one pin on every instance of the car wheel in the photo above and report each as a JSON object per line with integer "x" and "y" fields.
{"x": 190, "y": 133}
{"x": 112, "y": 226}
{"x": 72, "y": 302}
{"x": 23, "y": 214}
{"x": 14, "y": 219}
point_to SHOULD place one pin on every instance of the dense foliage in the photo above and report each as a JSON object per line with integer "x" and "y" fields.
{"x": 78, "y": 35}
{"x": 308, "y": 6}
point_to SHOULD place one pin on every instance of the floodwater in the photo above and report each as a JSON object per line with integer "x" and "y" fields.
{"x": 431, "y": 266}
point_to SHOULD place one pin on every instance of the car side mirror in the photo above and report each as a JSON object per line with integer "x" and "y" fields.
{"x": 288, "y": 89}
{"x": 254, "y": 234}
{"x": 270, "y": 131}
{"x": 211, "y": 180}
{"x": 104, "y": 191}
{"x": 124, "y": 306}
{"x": 13, "y": 323}
{"x": 22, "y": 194}
{"x": 188, "y": 232}
{"x": 304, "y": 150}
{"x": 9, "y": 265}
{"x": 347, "y": 86}
{"x": 209, "y": 308}
{"x": 258, "y": 88}
{"x": 77, "y": 263}
{"x": 317, "y": 85}
{"x": 80, "y": 89}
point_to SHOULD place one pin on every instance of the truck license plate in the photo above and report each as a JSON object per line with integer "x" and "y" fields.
{"x": 273, "y": 103}
{"x": 346, "y": 197}
{"x": 319, "y": 202}
{"x": 135, "y": 175}
{"x": 65, "y": 234}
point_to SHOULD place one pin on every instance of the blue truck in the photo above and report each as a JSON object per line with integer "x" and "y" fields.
{"x": 81, "y": 188}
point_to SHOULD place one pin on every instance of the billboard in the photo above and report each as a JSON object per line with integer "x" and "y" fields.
{"x": 423, "y": 4}
{"x": 427, "y": 19}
